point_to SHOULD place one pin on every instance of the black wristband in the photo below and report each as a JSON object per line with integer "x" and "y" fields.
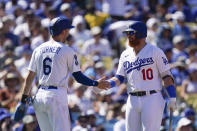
{"x": 24, "y": 99}
{"x": 166, "y": 77}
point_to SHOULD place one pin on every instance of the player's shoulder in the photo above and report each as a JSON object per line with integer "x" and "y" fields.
{"x": 126, "y": 52}
{"x": 153, "y": 47}
{"x": 42, "y": 45}
{"x": 67, "y": 49}
{"x": 39, "y": 47}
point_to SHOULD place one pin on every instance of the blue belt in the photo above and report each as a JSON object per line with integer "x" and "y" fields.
{"x": 47, "y": 87}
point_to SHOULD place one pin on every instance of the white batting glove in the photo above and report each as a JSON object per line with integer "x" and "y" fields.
{"x": 172, "y": 103}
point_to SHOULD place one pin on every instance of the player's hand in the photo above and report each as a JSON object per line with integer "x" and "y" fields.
{"x": 20, "y": 111}
{"x": 171, "y": 104}
{"x": 103, "y": 84}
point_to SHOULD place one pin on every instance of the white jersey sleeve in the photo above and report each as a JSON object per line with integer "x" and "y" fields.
{"x": 120, "y": 70}
{"x": 73, "y": 62}
{"x": 161, "y": 61}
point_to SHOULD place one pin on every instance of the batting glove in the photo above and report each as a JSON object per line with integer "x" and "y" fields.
{"x": 21, "y": 108}
{"x": 171, "y": 103}
{"x": 20, "y": 111}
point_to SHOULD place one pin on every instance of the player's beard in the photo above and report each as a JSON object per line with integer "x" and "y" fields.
{"x": 64, "y": 40}
{"x": 133, "y": 42}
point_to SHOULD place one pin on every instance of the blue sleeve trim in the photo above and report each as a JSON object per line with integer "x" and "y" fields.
{"x": 81, "y": 78}
{"x": 120, "y": 78}
{"x": 112, "y": 83}
{"x": 171, "y": 91}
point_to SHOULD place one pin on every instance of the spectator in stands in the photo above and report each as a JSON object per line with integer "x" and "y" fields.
{"x": 22, "y": 63}
{"x": 100, "y": 69}
{"x": 161, "y": 11}
{"x": 8, "y": 53}
{"x": 66, "y": 10}
{"x": 8, "y": 27}
{"x": 50, "y": 14}
{"x": 179, "y": 46}
{"x": 97, "y": 45}
{"x": 120, "y": 124}
{"x": 71, "y": 43}
{"x": 189, "y": 88}
{"x": 179, "y": 70}
{"x": 23, "y": 29}
{"x": 94, "y": 18}
{"x": 184, "y": 124}
{"x": 117, "y": 9}
{"x": 80, "y": 33}
{"x": 6, "y": 122}
{"x": 81, "y": 124}
{"x": 192, "y": 52}
{"x": 152, "y": 32}
{"x": 193, "y": 39}
{"x": 77, "y": 101}
{"x": 91, "y": 116}
{"x": 135, "y": 11}
{"x": 180, "y": 27}
{"x": 29, "y": 124}
{"x": 8, "y": 94}
{"x": 179, "y": 5}
{"x": 164, "y": 39}
{"x": 190, "y": 114}
{"x": 36, "y": 37}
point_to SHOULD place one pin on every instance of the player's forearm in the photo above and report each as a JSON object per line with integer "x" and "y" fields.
{"x": 81, "y": 78}
{"x": 168, "y": 81}
{"x": 170, "y": 87}
{"x": 27, "y": 86}
{"x": 116, "y": 80}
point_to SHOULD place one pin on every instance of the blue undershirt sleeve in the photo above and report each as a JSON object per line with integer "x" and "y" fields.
{"x": 171, "y": 91}
{"x": 81, "y": 78}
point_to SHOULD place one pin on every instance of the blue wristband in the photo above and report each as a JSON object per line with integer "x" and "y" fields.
{"x": 120, "y": 78}
{"x": 112, "y": 83}
{"x": 171, "y": 91}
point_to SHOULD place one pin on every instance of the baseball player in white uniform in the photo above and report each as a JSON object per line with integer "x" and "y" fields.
{"x": 51, "y": 63}
{"x": 144, "y": 66}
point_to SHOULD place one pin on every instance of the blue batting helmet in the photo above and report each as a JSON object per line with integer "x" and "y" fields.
{"x": 58, "y": 24}
{"x": 138, "y": 28}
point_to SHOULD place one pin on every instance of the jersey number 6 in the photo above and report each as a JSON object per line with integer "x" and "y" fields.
{"x": 147, "y": 74}
{"x": 47, "y": 67}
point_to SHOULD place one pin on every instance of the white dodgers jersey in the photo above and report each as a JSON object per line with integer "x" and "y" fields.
{"x": 143, "y": 70}
{"x": 53, "y": 62}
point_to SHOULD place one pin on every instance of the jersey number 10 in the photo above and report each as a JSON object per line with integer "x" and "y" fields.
{"x": 147, "y": 74}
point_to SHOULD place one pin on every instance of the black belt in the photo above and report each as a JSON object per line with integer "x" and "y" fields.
{"x": 142, "y": 93}
{"x": 47, "y": 87}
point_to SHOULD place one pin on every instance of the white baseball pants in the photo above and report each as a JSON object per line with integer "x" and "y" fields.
{"x": 51, "y": 108}
{"x": 144, "y": 113}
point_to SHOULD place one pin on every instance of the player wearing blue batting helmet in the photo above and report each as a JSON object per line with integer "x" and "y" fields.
{"x": 136, "y": 33}
{"x": 59, "y": 24}
{"x": 138, "y": 28}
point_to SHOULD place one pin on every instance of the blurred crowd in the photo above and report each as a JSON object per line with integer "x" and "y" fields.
{"x": 98, "y": 39}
